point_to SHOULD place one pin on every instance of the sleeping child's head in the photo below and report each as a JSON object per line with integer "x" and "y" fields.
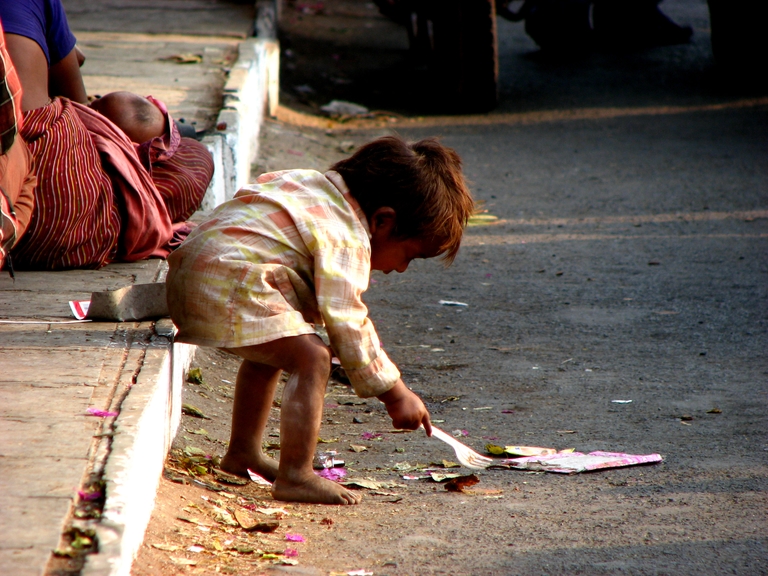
{"x": 135, "y": 115}
{"x": 414, "y": 196}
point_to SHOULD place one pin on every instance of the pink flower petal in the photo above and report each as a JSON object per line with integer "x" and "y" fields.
{"x": 294, "y": 537}
{"x": 334, "y": 474}
{"x": 290, "y": 552}
{"x": 88, "y": 496}
{"x": 100, "y": 413}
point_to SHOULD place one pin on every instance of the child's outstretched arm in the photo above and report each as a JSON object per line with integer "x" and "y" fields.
{"x": 405, "y": 408}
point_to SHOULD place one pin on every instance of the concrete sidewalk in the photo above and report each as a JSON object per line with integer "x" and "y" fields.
{"x": 198, "y": 57}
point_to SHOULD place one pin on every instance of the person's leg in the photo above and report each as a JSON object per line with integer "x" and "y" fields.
{"x": 254, "y": 391}
{"x": 308, "y": 360}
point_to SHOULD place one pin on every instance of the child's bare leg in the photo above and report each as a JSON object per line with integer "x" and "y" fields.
{"x": 300, "y": 417}
{"x": 309, "y": 362}
{"x": 254, "y": 391}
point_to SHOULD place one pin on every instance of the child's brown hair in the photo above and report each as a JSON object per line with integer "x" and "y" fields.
{"x": 421, "y": 181}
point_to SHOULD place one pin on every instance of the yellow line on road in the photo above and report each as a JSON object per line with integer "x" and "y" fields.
{"x": 385, "y": 119}
{"x": 639, "y": 219}
{"x": 501, "y": 239}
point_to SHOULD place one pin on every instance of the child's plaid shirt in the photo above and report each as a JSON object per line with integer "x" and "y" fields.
{"x": 287, "y": 253}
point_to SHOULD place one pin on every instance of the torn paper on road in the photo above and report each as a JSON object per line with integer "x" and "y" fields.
{"x": 570, "y": 463}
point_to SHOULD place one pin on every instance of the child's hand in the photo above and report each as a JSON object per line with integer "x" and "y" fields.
{"x": 406, "y": 409}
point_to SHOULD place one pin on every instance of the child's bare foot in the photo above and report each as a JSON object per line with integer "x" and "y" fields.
{"x": 238, "y": 464}
{"x": 314, "y": 490}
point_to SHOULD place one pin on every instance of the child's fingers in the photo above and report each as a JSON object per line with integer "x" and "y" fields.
{"x": 427, "y": 423}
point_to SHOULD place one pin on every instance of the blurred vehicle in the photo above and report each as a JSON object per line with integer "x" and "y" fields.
{"x": 456, "y": 40}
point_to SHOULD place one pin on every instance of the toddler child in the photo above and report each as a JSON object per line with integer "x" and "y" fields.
{"x": 296, "y": 250}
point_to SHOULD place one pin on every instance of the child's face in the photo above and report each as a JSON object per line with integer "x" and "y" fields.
{"x": 388, "y": 253}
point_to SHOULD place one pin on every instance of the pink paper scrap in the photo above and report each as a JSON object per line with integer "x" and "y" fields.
{"x": 291, "y": 552}
{"x": 573, "y": 462}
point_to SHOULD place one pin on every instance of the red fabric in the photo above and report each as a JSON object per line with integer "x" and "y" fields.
{"x": 147, "y": 226}
{"x": 76, "y": 221}
{"x": 10, "y": 98}
{"x": 96, "y": 201}
{"x": 183, "y": 178}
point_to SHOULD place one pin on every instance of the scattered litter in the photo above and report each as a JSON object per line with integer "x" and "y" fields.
{"x": 195, "y": 376}
{"x": 438, "y": 477}
{"x": 452, "y": 303}
{"x": 223, "y": 516}
{"x": 100, "y": 413}
{"x": 294, "y": 537}
{"x": 79, "y": 308}
{"x": 566, "y": 431}
{"x": 449, "y": 464}
{"x": 458, "y": 484}
{"x": 334, "y": 474}
{"x": 327, "y": 459}
{"x": 258, "y": 479}
{"x": 570, "y": 463}
{"x": 291, "y": 552}
{"x": 166, "y": 547}
{"x": 714, "y": 411}
{"x": 89, "y": 496}
{"x": 482, "y": 220}
{"x": 357, "y": 448}
{"x": 196, "y": 549}
{"x": 183, "y": 561}
{"x": 686, "y": 417}
{"x": 459, "y": 433}
{"x": 621, "y": 401}
{"x": 507, "y": 411}
{"x": 359, "y": 573}
{"x": 183, "y": 58}
{"x": 483, "y": 408}
{"x": 370, "y": 435}
{"x": 344, "y": 108}
{"x": 276, "y": 512}
{"x": 519, "y": 450}
{"x": 190, "y": 410}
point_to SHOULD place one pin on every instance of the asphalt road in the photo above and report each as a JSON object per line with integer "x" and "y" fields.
{"x": 628, "y": 261}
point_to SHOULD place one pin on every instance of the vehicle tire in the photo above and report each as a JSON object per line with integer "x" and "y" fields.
{"x": 459, "y": 44}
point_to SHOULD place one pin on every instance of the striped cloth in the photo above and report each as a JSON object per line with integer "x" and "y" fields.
{"x": 183, "y": 178}
{"x": 76, "y": 221}
{"x": 10, "y": 99}
{"x": 95, "y": 201}
{"x": 17, "y": 181}
{"x": 289, "y": 252}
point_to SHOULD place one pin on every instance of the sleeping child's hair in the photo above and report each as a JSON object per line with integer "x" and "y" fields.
{"x": 421, "y": 181}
